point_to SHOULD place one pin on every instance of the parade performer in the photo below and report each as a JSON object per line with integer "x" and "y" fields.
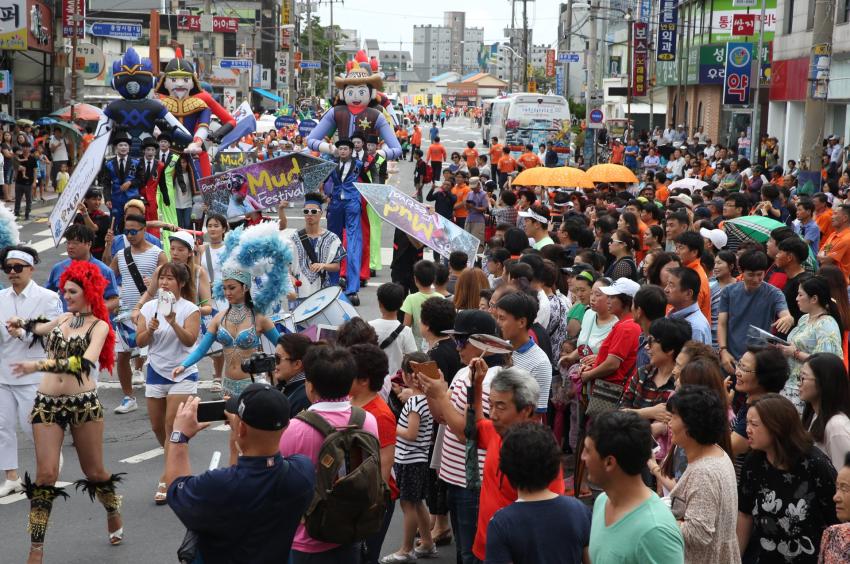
{"x": 318, "y": 251}
{"x": 133, "y": 79}
{"x": 375, "y": 169}
{"x": 148, "y": 175}
{"x": 257, "y": 251}
{"x": 118, "y": 175}
{"x": 178, "y": 87}
{"x": 166, "y": 196}
{"x": 78, "y": 343}
{"x": 22, "y": 298}
{"x": 344, "y": 214}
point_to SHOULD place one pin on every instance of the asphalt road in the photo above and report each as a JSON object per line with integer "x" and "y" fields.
{"x": 77, "y": 533}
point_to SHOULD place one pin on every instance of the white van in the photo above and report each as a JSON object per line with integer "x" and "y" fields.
{"x": 529, "y": 118}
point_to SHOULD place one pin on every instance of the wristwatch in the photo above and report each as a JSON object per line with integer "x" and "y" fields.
{"x": 178, "y": 437}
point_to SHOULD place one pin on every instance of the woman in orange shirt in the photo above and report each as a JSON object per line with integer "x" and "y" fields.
{"x": 415, "y": 140}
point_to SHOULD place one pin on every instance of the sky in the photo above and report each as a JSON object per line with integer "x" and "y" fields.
{"x": 390, "y": 23}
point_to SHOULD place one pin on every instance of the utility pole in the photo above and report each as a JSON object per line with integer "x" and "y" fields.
{"x": 630, "y": 79}
{"x": 815, "y": 112}
{"x": 525, "y": 45}
{"x": 590, "y": 87}
{"x": 755, "y": 138}
{"x": 310, "y": 47}
{"x": 331, "y": 39}
{"x": 511, "y": 62}
{"x": 74, "y": 93}
{"x": 650, "y": 66}
{"x": 208, "y": 39}
{"x": 568, "y": 38}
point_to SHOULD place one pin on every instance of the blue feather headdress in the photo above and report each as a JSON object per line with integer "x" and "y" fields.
{"x": 260, "y": 250}
{"x": 9, "y": 229}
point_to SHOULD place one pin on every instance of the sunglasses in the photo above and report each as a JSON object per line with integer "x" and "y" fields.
{"x": 460, "y": 341}
{"x": 311, "y": 211}
{"x": 132, "y": 232}
{"x": 278, "y": 359}
{"x": 18, "y": 268}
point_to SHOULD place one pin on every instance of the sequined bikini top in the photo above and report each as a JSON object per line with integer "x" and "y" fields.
{"x": 57, "y": 346}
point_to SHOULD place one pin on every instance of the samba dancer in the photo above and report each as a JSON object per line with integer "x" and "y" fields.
{"x": 78, "y": 343}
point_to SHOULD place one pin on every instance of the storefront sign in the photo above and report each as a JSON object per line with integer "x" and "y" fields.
{"x": 5, "y": 81}
{"x": 723, "y": 19}
{"x": 69, "y": 9}
{"x": 640, "y": 51}
{"x": 124, "y": 31}
{"x": 668, "y": 17}
{"x": 40, "y": 32}
{"x": 550, "y": 62}
{"x": 744, "y": 24}
{"x": 90, "y": 60}
{"x": 736, "y": 87}
{"x": 220, "y": 24}
{"x": 13, "y": 25}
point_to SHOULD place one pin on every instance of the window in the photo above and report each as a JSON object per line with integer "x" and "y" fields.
{"x": 844, "y": 12}
{"x": 810, "y": 21}
{"x": 789, "y": 16}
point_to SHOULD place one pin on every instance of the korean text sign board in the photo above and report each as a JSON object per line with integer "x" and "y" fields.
{"x": 736, "y": 85}
{"x": 668, "y": 16}
{"x": 640, "y": 58}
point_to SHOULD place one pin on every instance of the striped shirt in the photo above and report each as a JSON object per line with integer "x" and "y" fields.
{"x": 408, "y": 452}
{"x": 453, "y": 461}
{"x": 146, "y": 262}
{"x": 530, "y": 357}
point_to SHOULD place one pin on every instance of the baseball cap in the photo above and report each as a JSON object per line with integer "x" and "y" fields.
{"x": 540, "y": 214}
{"x": 684, "y": 199}
{"x": 471, "y": 322}
{"x": 260, "y": 406}
{"x": 184, "y": 238}
{"x": 717, "y": 237}
{"x": 94, "y": 192}
{"x": 621, "y": 286}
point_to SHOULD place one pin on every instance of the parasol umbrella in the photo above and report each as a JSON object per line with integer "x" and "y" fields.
{"x": 757, "y": 228}
{"x": 569, "y": 177}
{"x": 536, "y": 176}
{"x": 46, "y": 120}
{"x": 24, "y": 121}
{"x": 689, "y": 184}
{"x": 611, "y": 173}
{"x": 85, "y": 112}
{"x": 6, "y": 118}
{"x": 72, "y": 128}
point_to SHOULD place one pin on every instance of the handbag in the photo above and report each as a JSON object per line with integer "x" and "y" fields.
{"x": 604, "y": 397}
{"x": 189, "y": 551}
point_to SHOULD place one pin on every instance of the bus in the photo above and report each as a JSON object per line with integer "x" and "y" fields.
{"x": 528, "y": 118}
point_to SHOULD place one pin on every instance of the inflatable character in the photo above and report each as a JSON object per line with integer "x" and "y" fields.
{"x": 178, "y": 87}
{"x": 135, "y": 113}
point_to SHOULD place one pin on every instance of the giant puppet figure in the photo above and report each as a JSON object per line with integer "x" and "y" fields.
{"x": 355, "y": 109}
{"x": 135, "y": 113}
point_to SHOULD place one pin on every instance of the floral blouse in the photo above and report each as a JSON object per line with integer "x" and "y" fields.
{"x": 820, "y": 335}
{"x": 835, "y": 545}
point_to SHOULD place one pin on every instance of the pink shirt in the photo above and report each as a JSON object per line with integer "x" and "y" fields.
{"x": 300, "y": 438}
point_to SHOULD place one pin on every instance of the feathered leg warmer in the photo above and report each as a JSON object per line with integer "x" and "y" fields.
{"x": 41, "y": 503}
{"x": 104, "y": 492}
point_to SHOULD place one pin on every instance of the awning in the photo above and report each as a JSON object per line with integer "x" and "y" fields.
{"x": 642, "y": 108}
{"x": 266, "y": 94}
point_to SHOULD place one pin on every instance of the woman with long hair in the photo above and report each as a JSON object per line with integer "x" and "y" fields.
{"x": 78, "y": 343}
{"x": 622, "y": 247}
{"x": 559, "y": 304}
{"x": 468, "y": 288}
{"x": 826, "y": 395}
{"x": 818, "y": 331}
{"x": 787, "y": 483}
{"x": 209, "y": 255}
{"x": 660, "y": 260}
{"x": 581, "y": 286}
{"x": 725, "y": 273}
{"x": 704, "y": 500}
{"x": 838, "y": 292}
{"x": 169, "y": 338}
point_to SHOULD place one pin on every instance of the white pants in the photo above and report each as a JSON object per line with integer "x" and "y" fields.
{"x": 15, "y": 406}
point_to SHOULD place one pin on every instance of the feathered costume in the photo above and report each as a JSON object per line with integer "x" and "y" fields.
{"x": 9, "y": 229}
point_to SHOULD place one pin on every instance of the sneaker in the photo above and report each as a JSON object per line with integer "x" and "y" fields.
{"x": 138, "y": 377}
{"x": 10, "y": 487}
{"x": 128, "y": 404}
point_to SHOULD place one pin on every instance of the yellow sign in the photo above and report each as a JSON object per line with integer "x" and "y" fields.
{"x": 264, "y": 179}
{"x": 285, "y": 13}
{"x": 13, "y": 26}
{"x": 532, "y": 86}
{"x": 438, "y": 99}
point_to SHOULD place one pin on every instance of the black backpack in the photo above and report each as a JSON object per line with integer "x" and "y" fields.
{"x": 351, "y": 497}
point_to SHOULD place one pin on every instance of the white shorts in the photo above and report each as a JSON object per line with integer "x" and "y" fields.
{"x": 187, "y": 387}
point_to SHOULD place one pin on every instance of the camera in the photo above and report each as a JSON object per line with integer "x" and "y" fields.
{"x": 258, "y": 364}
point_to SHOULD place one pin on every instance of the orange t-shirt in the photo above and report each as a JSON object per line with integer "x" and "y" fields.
{"x": 416, "y": 139}
{"x": 496, "y": 152}
{"x": 507, "y": 164}
{"x": 402, "y": 134}
{"x": 461, "y": 191}
{"x": 704, "y": 298}
{"x": 496, "y": 491}
{"x": 824, "y": 222}
{"x": 386, "y": 431}
{"x": 529, "y": 160}
{"x": 640, "y": 252}
{"x": 617, "y": 154}
{"x": 662, "y": 193}
{"x": 471, "y": 156}
{"x": 436, "y": 153}
{"x": 87, "y": 139}
{"x": 837, "y": 247}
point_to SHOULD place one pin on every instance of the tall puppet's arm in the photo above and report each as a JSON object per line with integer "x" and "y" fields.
{"x": 392, "y": 148}
{"x": 179, "y": 134}
{"x": 228, "y": 122}
{"x": 201, "y": 132}
{"x": 316, "y": 139}
{"x": 104, "y": 125}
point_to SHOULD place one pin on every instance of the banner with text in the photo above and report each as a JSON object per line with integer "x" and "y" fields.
{"x": 70, "y": 8}
{"x": 640, "y": 57}
{"x": 81, "y": 180}
{"x": 419, "y": 221}
{"x": 263, "y": 185}
{"x": 736, "y": 85}
{"x": 668, "y": 17}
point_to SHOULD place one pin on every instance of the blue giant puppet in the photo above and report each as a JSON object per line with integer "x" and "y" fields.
{"x": 135, "y": 113}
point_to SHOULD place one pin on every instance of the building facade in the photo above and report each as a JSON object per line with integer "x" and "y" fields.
{"x": 449, "y": 47}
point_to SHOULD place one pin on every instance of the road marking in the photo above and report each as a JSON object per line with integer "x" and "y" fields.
{"x": 22, "y": 496}
{"x": 158, "y": 451}
{"x": 222, "y": 427}
{"x": 45, "y": 233}
{"x": 44, "y": 245}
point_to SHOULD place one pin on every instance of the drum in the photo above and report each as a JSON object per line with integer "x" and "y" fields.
{"x": 327, "y": 306}
{"x": 283, "y": 323}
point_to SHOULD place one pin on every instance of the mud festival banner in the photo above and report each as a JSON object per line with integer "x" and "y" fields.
{"x": 264, "y": 185}
{"x": 419, "y": 221}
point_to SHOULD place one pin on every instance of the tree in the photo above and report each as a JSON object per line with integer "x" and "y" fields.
{"x": 321, "y": 51}
{"x": 544, "y": 83}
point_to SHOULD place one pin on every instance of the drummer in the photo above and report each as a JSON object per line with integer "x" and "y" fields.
{"x": 317, "y": 251}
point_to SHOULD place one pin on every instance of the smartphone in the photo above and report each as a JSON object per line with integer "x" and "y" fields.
{"x": 429, "y": 369}
{"x": 211, "y": 411}
{"x": 656, "y": 448}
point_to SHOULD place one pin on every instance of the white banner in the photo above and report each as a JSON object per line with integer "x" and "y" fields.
{"x": 84, "y": 176}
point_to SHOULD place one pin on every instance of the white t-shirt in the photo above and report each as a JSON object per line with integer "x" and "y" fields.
{"x": 593, "y": 333}
{"x": 165, "y": 351}
{"x": 58, "y": 151}
{"x": 402, "y": 345}
{"x": 543, "y": 309}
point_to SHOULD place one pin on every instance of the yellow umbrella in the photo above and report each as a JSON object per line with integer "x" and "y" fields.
{"x": 536, "y": 176}
{"x": 569, "y": 177}
{"x": 611, "y": 173}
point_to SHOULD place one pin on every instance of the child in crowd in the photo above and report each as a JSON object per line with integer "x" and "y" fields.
{"x": 413, "y": 440}
{"x": 424, "y": 272}
{"x": 394, "y": 338}
{"x": 62, "y": 178}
